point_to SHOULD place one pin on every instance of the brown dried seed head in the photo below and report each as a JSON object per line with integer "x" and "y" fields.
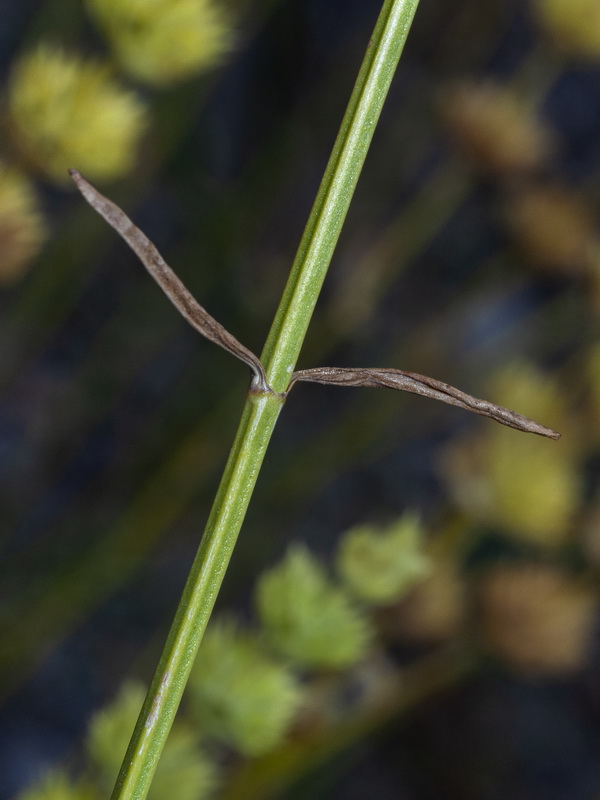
{"x": 432, "y": 612}
{"x": 537, "y": 617}
{"x": 493, "y": 128}
{"x": 553, "y": 228}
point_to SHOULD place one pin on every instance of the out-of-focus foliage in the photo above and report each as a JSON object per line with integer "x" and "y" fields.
{"x": 239, "y": 694}
{"x": 535, "y": 616}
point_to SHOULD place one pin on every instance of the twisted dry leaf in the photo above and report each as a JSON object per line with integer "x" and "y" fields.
{"x": 185, "y": 303}
{"x": 428, "y": 387}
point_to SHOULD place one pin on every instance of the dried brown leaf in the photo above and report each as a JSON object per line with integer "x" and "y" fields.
{"x": 421, "y": 384}
{"x": 185, "y": 303}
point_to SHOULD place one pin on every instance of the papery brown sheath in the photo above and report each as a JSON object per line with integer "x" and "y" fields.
{"x": 208, "y": 326}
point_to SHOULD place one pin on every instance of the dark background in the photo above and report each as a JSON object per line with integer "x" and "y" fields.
{"x": 116, "y": 418}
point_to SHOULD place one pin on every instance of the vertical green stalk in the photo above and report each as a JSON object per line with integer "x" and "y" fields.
{"x": 262, "y": 409}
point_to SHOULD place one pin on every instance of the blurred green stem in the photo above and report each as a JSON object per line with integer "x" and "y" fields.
{"x": 261, "y": 410}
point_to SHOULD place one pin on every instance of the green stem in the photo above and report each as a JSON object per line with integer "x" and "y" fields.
{"x": 261, "y": 410}
{"x": 335, "y": 193}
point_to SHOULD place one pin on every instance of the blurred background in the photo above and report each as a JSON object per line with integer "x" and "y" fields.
{"x": 471, "y": 253}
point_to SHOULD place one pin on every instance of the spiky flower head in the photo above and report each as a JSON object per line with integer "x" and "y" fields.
{"x": 239, "y": 693}
{"x": 308, "y": 618}
{"x": 160, "y": 42}
{"x": 183, "y": 773}
{"x": 22, "y": 226}
{"x": 574, "y": 25}
{"x": 67, "y": 111}
{"x": 57, "y": 785}
{"x": 528, "y": 487}
{"x": 380, "y": 565}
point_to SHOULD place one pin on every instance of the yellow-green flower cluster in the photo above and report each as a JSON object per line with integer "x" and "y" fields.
{"x": 573, "y": 24}
{"x": 239, "y": 693}
{"x": 183, "y": 773}
{"x": 306, "y": 617}
{"x": 380, "y": 565}
{"x": 68, "y": 112}
{"x": 528, "y": 487}
{"x": 160, "y": 42}
{"x": 22, "y": 227}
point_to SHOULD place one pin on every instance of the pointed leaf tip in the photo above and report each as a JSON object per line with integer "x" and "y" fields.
{"x": 171, "y": 285}
{"x": 428, "y": 387}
